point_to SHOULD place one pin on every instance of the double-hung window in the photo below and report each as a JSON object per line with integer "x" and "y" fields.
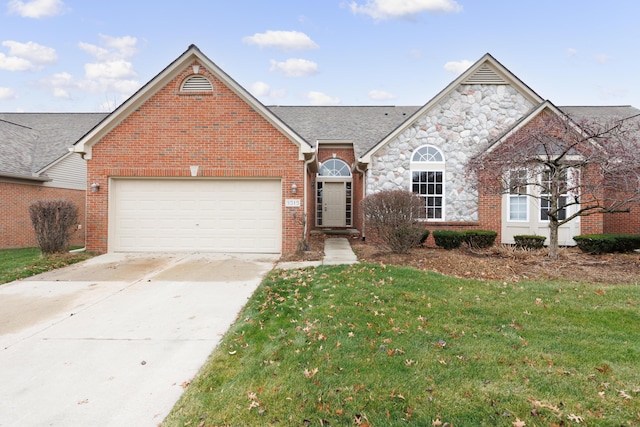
{"x": 518, "y": 199}
{"x": 546, "y": 183}
{"x": 427, "y": 180}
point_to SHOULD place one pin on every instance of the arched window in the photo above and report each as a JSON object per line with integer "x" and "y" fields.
{"x": 196, "y": 83}
{"x": 427, "y": 153}
{"x": 335, "y": 167}
{"x": 427, "y": 180}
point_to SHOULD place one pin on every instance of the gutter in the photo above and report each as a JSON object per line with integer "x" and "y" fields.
{"x": 306, "y": 196}
{"x": 37, "y": 178}
{"x": 356, "y": 167}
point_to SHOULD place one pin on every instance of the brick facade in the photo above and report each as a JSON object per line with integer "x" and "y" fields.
{"x": 16, "y": 230}
{"x": 217, "y": 131}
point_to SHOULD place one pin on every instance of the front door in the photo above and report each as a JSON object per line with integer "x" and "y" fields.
{"x": 334, "y": 208}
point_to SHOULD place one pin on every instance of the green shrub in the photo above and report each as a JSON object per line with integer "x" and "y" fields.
{"x": 448, "y": 239}
{"x": 529, "y": 241}
{"x": 425, "y": 236}
{"x": 480, "y": 238}
{"x": 626, "y": 242}
{"x": 607, "y": 243}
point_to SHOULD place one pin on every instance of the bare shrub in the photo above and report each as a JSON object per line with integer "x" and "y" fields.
{"x": 54, "y": 221}
{"x": 392, "y": 218}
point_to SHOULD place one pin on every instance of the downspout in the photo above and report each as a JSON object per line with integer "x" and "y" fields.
{"x": 364, "y": 193}
{"x": 306, "y": 197}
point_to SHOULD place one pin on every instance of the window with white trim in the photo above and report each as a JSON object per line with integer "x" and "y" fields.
{"x": 518, "y": 199}
{"x": 334, "y": 167}
{"x": 545, "y": 196}
{"x": 427, "y": 180}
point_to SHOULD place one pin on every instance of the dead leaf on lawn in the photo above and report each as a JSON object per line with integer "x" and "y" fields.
{"x": 624, "y": 394}
{"x": 519, "y": 423}
{"x": 575, "y": 418}
{"x": 310, "y": 373}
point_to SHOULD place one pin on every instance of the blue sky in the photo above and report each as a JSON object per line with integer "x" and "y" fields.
{"x": 90, "y": 55}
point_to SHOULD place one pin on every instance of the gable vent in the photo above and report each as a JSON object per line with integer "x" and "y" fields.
{"x": 196, "y": 84}
{"x": 485, "y": 75}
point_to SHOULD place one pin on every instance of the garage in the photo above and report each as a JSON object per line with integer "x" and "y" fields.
{"x": 195, "y": 215}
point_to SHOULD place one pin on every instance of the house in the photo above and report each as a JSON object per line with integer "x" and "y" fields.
{"x": 35, "y": 163}
{"x": 193, "y": 162}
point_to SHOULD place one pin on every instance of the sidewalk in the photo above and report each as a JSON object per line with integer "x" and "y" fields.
{"x": 337, "y": 251}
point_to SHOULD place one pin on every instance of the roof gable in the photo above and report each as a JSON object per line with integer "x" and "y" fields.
{"x": 487, "y": 70}
{"x": 191, "y": 55}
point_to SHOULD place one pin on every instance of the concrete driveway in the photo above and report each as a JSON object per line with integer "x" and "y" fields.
{"x": 113, "y": 340}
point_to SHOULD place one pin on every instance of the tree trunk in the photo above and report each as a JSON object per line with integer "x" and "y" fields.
{"x": 553, "y": 238}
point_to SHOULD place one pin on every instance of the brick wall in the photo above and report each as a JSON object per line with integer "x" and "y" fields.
{"x": 16, "y": 230}
{"x": 357, "y": 182}
{"x": 171, "y": 131}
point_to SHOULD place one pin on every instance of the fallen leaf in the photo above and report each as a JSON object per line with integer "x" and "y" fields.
{"x": 518, "y": 423}
{"x": 624, "y": 394}
{"x": 310, "y": 373}
{"x": 575, "y": 418}
{"x": 436, "y": 422}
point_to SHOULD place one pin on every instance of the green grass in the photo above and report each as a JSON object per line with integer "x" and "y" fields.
{"x": 383, "y": 346}
{"x": 20, "y": 263}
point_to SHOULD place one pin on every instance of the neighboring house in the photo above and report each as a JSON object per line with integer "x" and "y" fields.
{"x": 35, "y": 163}
{"x": 193, "y": 162}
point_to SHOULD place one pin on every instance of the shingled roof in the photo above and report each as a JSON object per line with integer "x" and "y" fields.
{"x": 32, "y": 141}
{"x": 365, "y": 126}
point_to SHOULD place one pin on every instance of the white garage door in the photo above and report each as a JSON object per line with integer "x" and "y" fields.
{"x": 195, "y": 215}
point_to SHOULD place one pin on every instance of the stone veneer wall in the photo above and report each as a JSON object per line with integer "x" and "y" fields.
{"x": 459, "y": 125}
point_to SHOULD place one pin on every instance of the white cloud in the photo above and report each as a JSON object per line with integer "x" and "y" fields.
{"x": 391, "y": 9}
{"x": 111, "y": 73}
{"x": 13, "y": 63}
{"x": 7, "y": 93}
{"x": 109, "y": 70}
{"x": 31, "y": 51}
{"x": 295, "y": 67}
{"x": 263, "y": 90}
{"x": 571, "y": 52}
{"x": 603, "y": 58}
{"x": 284, "y": 40}
{"x": 458, "y": 67}
{"x": 380, "y": 95}
{"x": 26, "y": 56}
{"x": 36, "y": 8}
{"x": 59, "y": 92}
{"x": 114, "y": 48}
{"x": 260, "y": 89}
{"x": 319, "y": 98}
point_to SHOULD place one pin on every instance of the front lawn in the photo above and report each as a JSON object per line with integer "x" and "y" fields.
{"x": 374, "y": 345}
{"x": 20, "y": 263}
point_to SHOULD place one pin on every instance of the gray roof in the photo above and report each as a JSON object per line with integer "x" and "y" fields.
{"x": 32, "y": 141}
{"x": 613, "y": 112}
{"x": 365, "y": 126}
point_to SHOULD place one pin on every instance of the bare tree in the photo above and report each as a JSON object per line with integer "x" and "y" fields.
{"x": 392, "y": 218}
{"x": 590, "y": 165}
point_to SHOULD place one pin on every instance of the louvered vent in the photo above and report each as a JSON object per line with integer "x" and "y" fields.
{"x": 485, "y": 75}
{"x": 196, "y": 84}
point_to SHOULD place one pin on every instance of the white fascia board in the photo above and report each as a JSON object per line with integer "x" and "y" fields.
{"x": 546, "y": 105}
{"x": 83, "y": 146}
{"x": 486, "y": 58}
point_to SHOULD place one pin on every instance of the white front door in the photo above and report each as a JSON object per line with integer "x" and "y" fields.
{"x": 334, "y": 204}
